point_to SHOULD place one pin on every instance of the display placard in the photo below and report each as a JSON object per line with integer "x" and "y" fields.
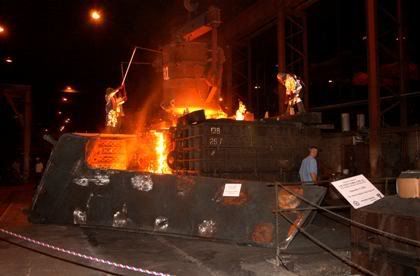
{"x": 358, "y": 191}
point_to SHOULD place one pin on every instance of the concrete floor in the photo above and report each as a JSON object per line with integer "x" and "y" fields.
{"x": 173, "y": 255}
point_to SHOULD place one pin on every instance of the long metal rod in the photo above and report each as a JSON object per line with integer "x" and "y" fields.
{"x": 327, "y": 248}
{"x": 276, "y": 189}
{"x": 314, "y": 208}
{"x": 363, "y": 102}
{"x": 355, "y": 223}
{"x": 373, "y": 180}
{"x": 149, "y": 50}
{"x": 129, "y": 65}
{"x": 137, "y": 63}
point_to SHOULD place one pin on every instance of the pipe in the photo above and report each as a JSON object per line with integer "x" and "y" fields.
{"x": 373, "y": 87}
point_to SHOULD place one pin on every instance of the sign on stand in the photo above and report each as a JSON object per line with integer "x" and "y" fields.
{"x": 358, "y": 191}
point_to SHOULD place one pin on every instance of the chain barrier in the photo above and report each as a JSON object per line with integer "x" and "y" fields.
{"x": 83, "y": 256}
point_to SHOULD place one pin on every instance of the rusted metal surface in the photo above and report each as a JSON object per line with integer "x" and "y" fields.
{"x": 287, "y": 200}
{"x": 382, "y": 255}
{"x": 373, "y": 86}
{"x": 263, "y": 233}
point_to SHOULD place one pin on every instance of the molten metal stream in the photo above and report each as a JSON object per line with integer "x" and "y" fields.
{"x": 161, "y": 150}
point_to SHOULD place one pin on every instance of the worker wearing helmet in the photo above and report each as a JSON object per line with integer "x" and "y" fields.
{"x": 293, "y": 87}
{"x": 114, "y": 109}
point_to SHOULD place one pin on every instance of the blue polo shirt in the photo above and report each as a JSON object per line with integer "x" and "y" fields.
{"x": 307, "y": 167}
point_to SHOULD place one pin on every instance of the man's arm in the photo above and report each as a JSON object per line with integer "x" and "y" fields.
{"x": 313, "y": 170}
{"x": 314, "y": 177}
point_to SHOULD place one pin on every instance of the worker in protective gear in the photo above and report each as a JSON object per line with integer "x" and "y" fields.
{"x": 293, "y": 87}
{"x": 114, "y": 98}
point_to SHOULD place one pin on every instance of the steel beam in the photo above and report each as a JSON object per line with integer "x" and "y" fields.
{"x": 281, "y": 45}
{"x": 305, "y": 63}
{"x": 249, "y": 98}
{"x": 255, "y": 16}
{"x": 403, "y": 64}
{"x": 27, "y": 134}
{"x": 373, "y": 86}
{"x": 229, "y": 79}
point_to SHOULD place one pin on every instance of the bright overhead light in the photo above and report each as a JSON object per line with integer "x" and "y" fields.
{"x": 69, "y": 89}
{"x": 95, "y": 15}
{"x": 2, "y": 29}
{"x": 8, "y": 60}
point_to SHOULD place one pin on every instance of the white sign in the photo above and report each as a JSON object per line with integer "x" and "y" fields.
{"x": 232, "y": 190}
{"x": 358, "y": 191}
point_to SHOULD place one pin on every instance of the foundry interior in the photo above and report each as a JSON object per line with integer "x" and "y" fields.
{"x": 205, "y": 137}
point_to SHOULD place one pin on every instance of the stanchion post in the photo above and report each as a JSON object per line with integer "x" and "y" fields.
{"x": 276, "y": 189}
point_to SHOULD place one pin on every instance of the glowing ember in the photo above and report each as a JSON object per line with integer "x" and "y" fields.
{"x": 161, "y": 150}
{"x": 240, "y": 113}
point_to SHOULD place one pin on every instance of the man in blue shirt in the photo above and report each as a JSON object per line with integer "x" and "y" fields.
{"x": 308, "y": 171}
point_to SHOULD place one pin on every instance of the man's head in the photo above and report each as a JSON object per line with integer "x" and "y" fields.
{"x": 313, "y": 151}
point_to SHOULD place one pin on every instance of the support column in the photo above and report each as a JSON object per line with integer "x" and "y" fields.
{"x": 305, "y": 63}
{"x": 250, "y": 101}
{"x": 27, "y": 134}
{"x": 373, "y": 87}
{"x": 281, "y": 54}
{"x": 229, "y": 78}
{"x": 402, "y": 46}
{"x": 214, "y": 56}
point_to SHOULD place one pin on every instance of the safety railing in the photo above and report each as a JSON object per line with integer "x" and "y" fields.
{"x": 383, "y": 184}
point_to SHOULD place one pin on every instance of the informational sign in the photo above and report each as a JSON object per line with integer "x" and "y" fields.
{"x": 358, "y": 191}
{"x": 232, "y": 189}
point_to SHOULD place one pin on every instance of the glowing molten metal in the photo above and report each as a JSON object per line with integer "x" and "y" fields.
{"x": 161, "y": 150}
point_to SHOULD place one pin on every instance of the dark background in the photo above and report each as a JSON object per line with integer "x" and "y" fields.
{"x": 53, "y": 44}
